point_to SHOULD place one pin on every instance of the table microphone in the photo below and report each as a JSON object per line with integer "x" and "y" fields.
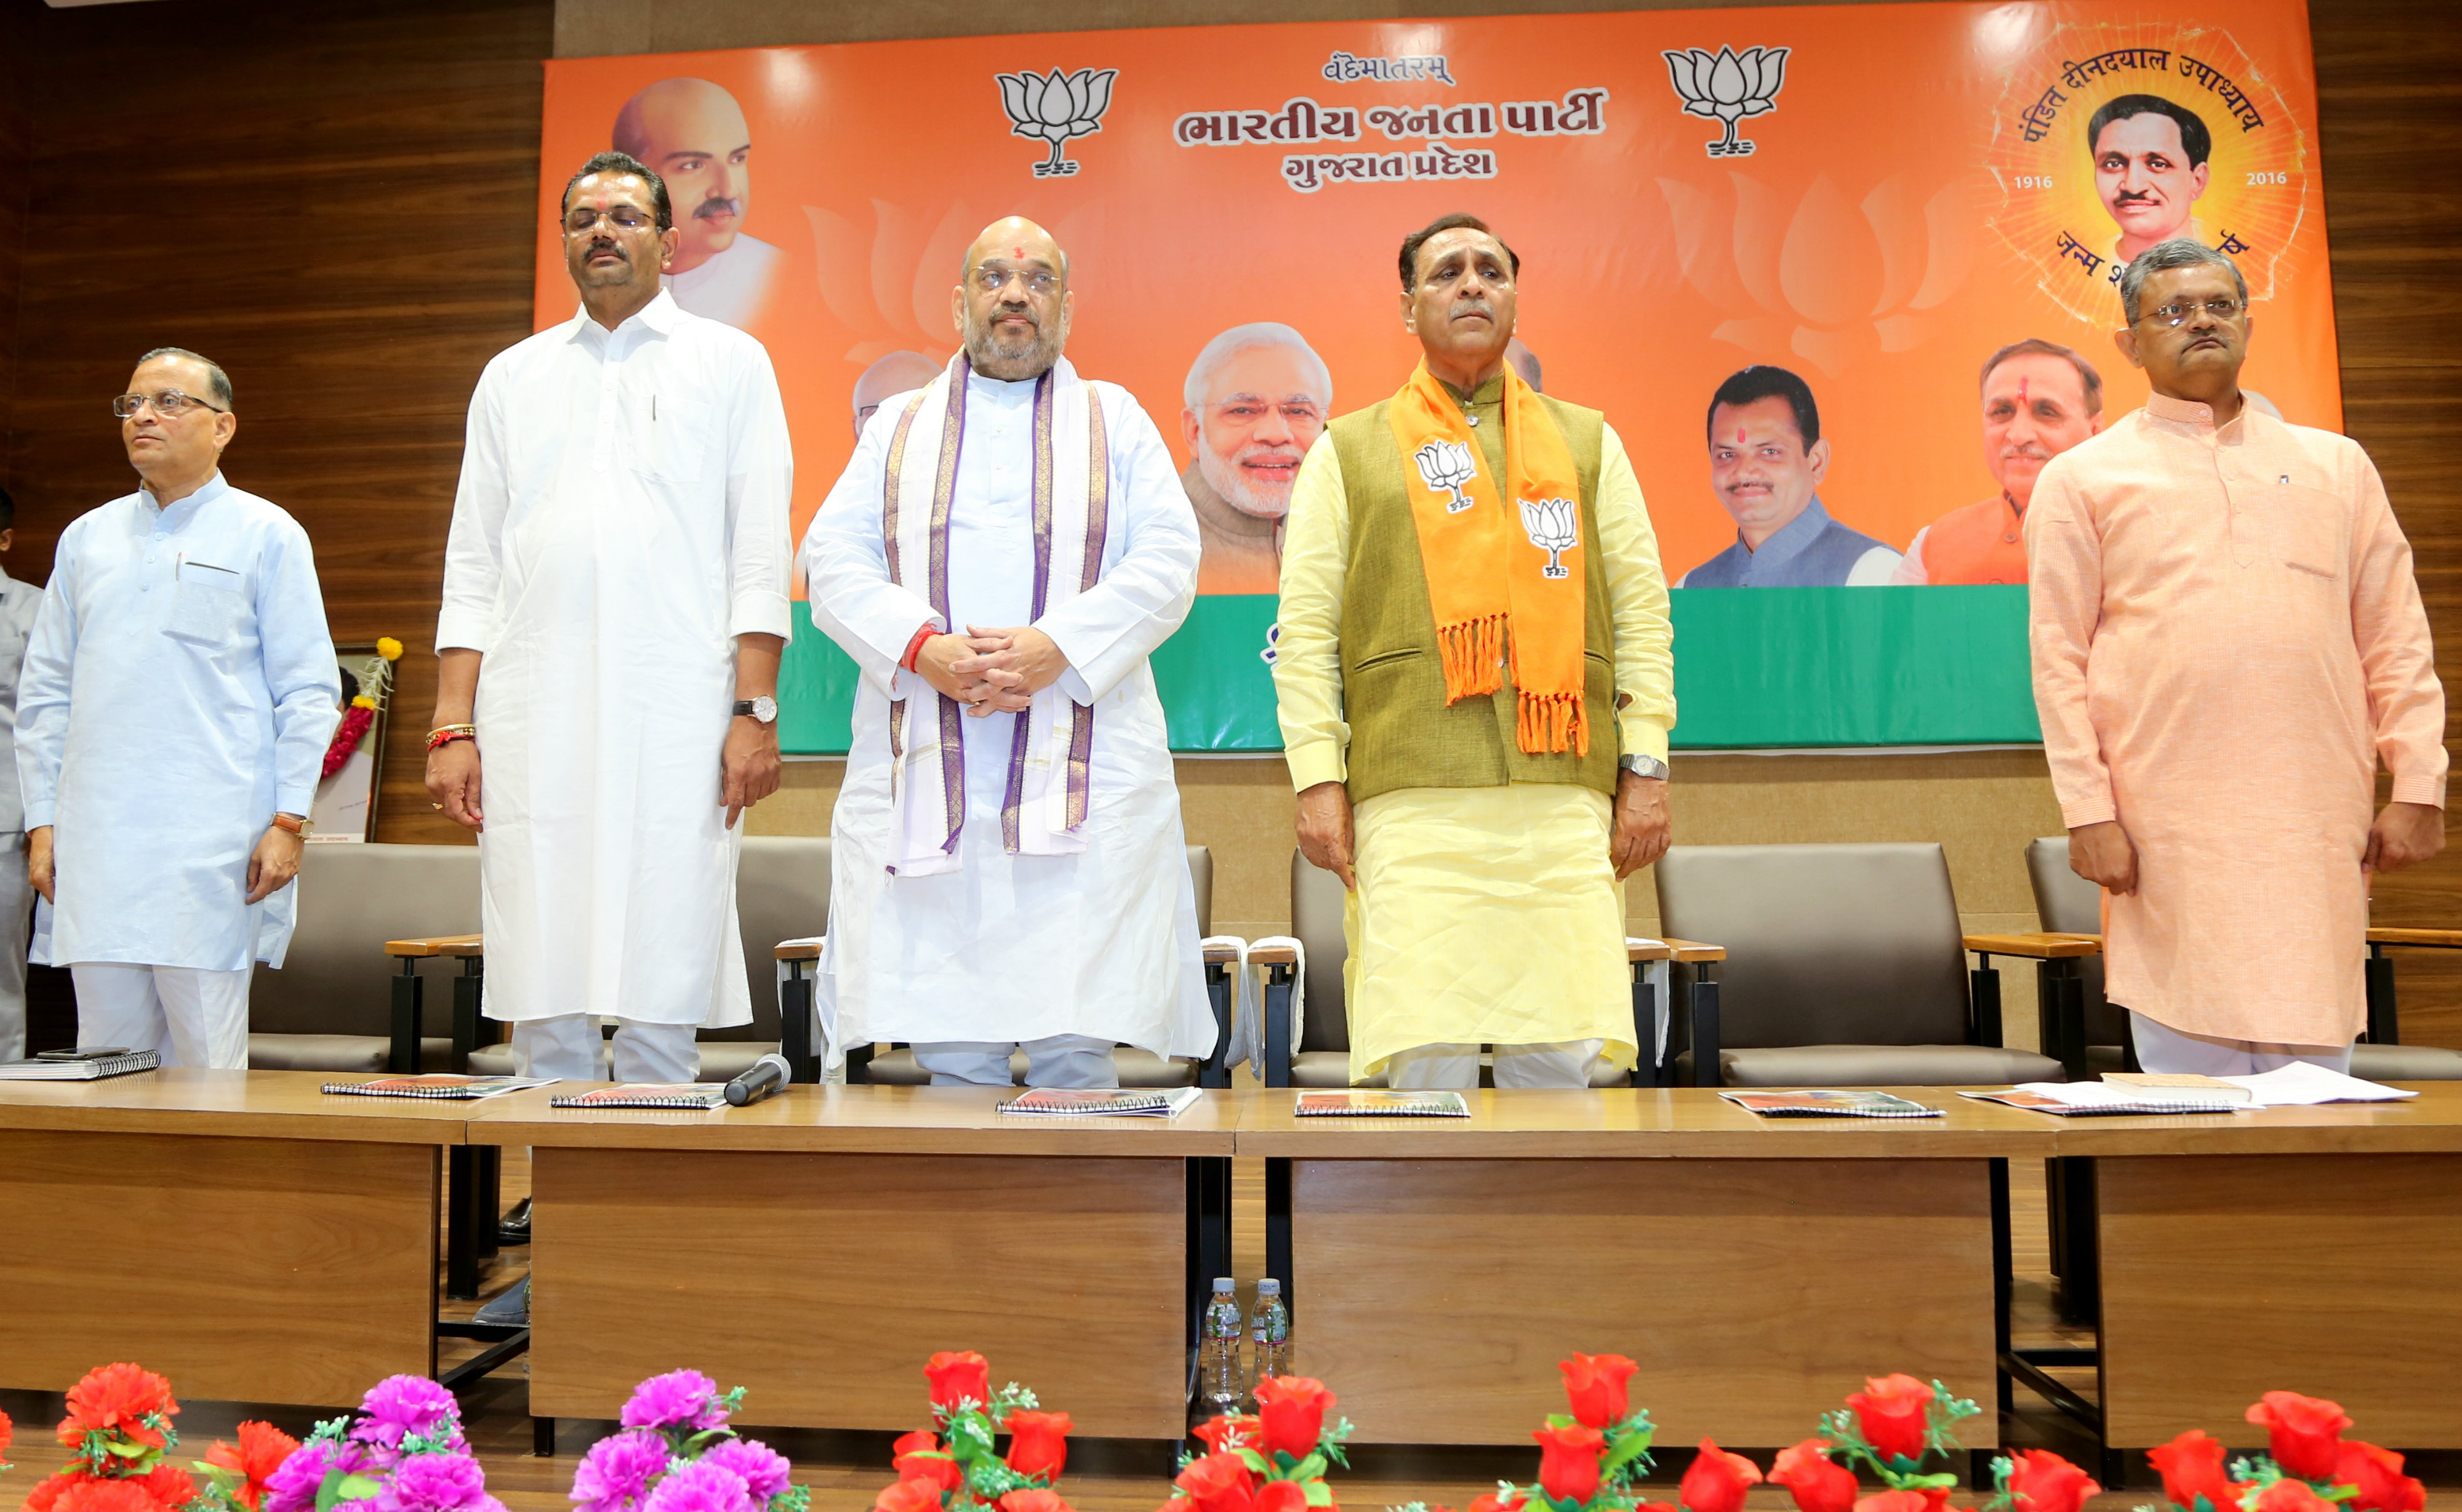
{"x": 767, "y": 1075}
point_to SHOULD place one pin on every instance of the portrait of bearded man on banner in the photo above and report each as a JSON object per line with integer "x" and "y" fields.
{"x": 1255, "y": 401}
{"x": 695, "y": 135}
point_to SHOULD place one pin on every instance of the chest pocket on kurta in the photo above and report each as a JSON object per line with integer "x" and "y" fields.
{"x": 2307, "y": 527}
{"x": 670, "y": 437}
{"x": 208, "y": 607}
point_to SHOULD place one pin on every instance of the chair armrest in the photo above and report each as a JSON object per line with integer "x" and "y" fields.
{"x": 2036, "y": 947}
{"x": 1221, "y": 995}
{"x": 2429, "y": 938}
{"x": 1693, "y": 953}
{"x": 1279, "y": 1039}
{"x": 1642, "y": 953}
{"x": 799, "y": 949}
{"x": 430, "y": 945}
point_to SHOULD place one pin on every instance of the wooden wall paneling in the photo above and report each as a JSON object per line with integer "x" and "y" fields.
{"x": 2390, "y": 98}
{"x": 14, "y": 133}
{"x": 333, "y": 203}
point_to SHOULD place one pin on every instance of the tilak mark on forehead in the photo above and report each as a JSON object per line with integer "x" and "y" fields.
{"x": 1740, "y": 435}
{"x": 2021, "y": 392}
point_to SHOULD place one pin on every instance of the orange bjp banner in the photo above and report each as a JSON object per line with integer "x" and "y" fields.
{"x": 1863, "y": 202}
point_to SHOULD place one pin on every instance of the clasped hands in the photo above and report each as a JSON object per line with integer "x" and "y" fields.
{"x": 2402, "y": 835}
{"x": 991, "y": 670}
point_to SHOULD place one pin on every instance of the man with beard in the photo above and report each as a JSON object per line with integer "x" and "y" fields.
{"x": 1475, "y": 671}
{"x": 2150, "y": 170}
{"x": 694, "y": 135}
{"x": 616, "y": 602}
{"x": 2227, "y": 640}
{"x": 2040, "y": 398}
{"x": 1257, "y": 397}
{"x": 1001, "y": 556}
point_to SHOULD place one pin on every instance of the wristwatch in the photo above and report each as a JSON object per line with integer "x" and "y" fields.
{"x": 763, "y": 710}
{"x": 1641, "y": 765}
{"x": 302, "y": 828}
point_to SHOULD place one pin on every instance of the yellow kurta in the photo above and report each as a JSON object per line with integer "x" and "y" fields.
{"x": 2227, "y": 637}
{"x": 1485, "y": 914}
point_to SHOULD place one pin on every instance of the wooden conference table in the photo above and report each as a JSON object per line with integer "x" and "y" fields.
{"x": 259, "y": 1241}
{"x": 238, "y": 1232}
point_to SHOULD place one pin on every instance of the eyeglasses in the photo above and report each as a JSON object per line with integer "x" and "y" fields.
{"x": 170, "y": 404}
{"x": 1039, "y": 282}
{"x": 624, "y": 217}
{"x": 1246, "y": 413}
{"x": 2176, "y": 313}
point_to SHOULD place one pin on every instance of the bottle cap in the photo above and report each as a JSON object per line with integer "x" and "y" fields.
{"x": 1223, "y": 1284}
{"x": 1269, "y": 1287}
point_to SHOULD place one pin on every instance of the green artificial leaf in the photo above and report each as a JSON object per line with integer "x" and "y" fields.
{"x": 1560, "y": 1419}
{"x": 794, "y": 1499}
{"x": 1312, "y": 1468}
{"x": 1318, "y": 1494}
{"x": 1254, "y": 1461}
{"x": 1941, "y": 1479}
{"x": 1631, "y": 1452}
{"x": 970, "y": 1436}
{"x": 732, "y": 1403}
{"x": 694, "y": 1445}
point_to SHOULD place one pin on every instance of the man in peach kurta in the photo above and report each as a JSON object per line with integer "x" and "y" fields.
{"x": 2227, "y": 640}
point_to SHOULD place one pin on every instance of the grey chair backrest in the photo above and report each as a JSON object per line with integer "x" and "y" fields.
{"x": 1826, "y": 944}
{"x": 782, "y": 891}
{"x": 1316, "y": 921}
{"x": 1200, "y": 872}
{"x": 353, "y": 897}
{"x": 2068, "y": 904}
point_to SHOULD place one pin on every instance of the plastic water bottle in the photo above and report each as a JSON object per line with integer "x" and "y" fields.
{"x": 1270, "y": 1333}
{"x": 1219, "y": 1379}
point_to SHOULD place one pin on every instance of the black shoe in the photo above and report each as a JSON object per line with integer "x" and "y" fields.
{"x": 515, "y": 1228}
{"x": 511, "y": 1310}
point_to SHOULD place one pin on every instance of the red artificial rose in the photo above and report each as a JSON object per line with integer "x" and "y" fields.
{"x": 2043, "y": 1481}
{"x": 1282, "y": 1496}
{"x": 109, "y": 1496}
{"x": 1038, "y": 1444}
{"x": 917, "y": 1457}
{"x": 1818, "y": 1483}
{"x": 2306, "y": 1432}
{"x": 116, "y": 1399}
{"x": 1658, "y": 1506}
{"x": 260, "y": 1451}
{"x": 956, "y": 1376}
{"x": 1595, "y": 1385}
{"x": 1290, "y": 1413}
{"x": 1716, "y": 1480}
{"x": 2192, "y": 1466}
{"x": 2378, "y": 1475}
{"x": 1490, "y": 1502}
{"x": 1228, "y": 1432}
{"x": 1218, "y": 1484}
{"x": 169, "y": 1485}
{"x": 1032, "y": 1499}
{"x": 1568, "y": 1461}
{"x": 48, "y": 1491}
{"x": 909, "y": 1496}
{"x": 2291, "y": 1496}
{"x": 1894, "y": 1412}
{"x": 1899, "y": 1501}
{"x": 8, "y": 1433}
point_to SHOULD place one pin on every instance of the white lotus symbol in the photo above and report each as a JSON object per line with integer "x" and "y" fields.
{"x": 1554, "y": 526}
{"x": 1445, "y": 465}
{"x": 1730, "y": 87}
{"x": 1056, "y": 107}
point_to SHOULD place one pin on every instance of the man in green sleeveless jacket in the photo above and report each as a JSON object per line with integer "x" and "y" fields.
{"x": 1476, "y": 679}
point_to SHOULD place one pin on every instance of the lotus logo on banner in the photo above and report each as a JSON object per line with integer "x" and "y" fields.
{"x": 1731, "y": 87}
{"x": 1054, "y": 107}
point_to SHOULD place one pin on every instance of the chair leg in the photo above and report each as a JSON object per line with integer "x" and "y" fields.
{"x": 1278, "y": 1230}
{"x": 2383, "y": 1022}
{"x": 1282, "y": 1035}
{"x": 401, "y": 1058}
{"x": 463, "y": 1218}
{"x": 1707, "y": 1069}
{"x": 543, "y": 1438}
{"x": 2003, "y": 1279}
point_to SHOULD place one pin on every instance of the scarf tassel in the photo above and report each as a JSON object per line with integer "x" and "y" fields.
{"x": 1473, "y": 656}
{"x": 1550, "y": 722}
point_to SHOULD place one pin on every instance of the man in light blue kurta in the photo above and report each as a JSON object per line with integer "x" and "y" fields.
{"x": 172, "y": 718}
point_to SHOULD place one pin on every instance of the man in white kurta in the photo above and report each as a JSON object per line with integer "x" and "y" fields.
{"x": 177, "y": 696}
{"x": 1010, "y": 864}
{"x": 614, "y": 579}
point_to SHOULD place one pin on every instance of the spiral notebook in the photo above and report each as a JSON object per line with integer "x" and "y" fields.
{"x": 458, "y": 1089}
{"x": 88, "y": 1068}
{"x": 2098, "y": 1100}
{"x": 1812, "y": 1103}
{"x": 1370, "y": 1102}
{"x": 1103, "y": 1103}
{"x": 647, "y": 1094}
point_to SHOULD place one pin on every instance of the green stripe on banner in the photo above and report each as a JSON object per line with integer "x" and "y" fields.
{"x": 1754, "y": 667}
